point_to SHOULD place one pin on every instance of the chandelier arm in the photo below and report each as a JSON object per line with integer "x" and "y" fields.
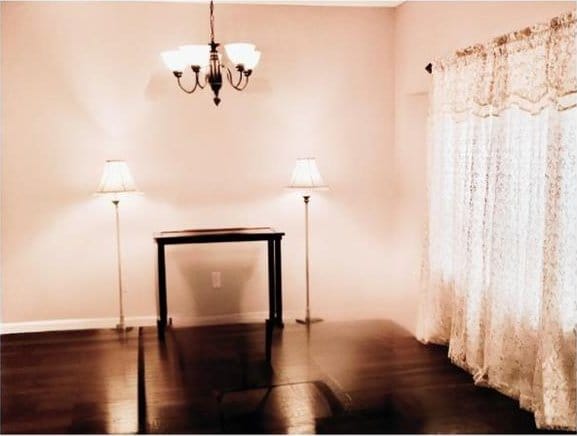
{"x": 197, "y": 83}
{"x": 239, "y": 86}
{"x": 201, "y": 85}
{"x": 188, "y": 91}
{"x": 245, "y": 83}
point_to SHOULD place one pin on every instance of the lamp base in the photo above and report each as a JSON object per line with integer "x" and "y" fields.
{"x": 121, "y": 328}
{"x": 308, "y": 321}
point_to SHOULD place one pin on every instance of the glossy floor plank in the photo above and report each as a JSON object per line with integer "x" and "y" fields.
{"x": 69, "y": 382}
{"x": 347, "y": 377}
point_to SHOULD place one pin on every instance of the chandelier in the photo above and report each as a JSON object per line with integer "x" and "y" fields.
{"x": 205, "y": 63}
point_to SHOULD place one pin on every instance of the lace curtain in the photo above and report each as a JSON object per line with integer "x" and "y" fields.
{"x": 500, "y": 270}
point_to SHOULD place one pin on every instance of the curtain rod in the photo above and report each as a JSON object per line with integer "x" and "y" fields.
{"x": 553, "y": 24}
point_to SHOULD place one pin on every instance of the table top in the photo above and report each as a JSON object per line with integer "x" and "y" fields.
{"x": 236, "y": 233}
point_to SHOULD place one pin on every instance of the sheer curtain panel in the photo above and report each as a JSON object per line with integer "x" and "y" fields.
{"x": 500, "y": 265}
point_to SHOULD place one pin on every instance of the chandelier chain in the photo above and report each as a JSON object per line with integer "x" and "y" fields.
{"x": 212, "y": 21}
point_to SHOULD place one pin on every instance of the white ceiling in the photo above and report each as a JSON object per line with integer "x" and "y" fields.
{"x": 369, "y": 3}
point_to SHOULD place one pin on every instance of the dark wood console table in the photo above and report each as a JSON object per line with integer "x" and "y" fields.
{"x": 201, "y": 236}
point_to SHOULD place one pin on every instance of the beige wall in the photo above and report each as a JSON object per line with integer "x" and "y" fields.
{"x": 83, "y": 82}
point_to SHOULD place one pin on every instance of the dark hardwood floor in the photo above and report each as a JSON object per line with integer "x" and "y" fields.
{"x": 348, "y": 377}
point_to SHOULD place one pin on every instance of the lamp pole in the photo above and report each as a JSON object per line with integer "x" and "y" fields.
{"x": 308, "y": 320}
{"x": 306, "y": 199}
{"x": 120, "y": 326}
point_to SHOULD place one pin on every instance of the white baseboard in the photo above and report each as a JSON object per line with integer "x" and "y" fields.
{"x": 73, "y": 324}
{"x": 135, "y": 321}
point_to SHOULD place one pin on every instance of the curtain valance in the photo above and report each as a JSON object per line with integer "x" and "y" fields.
{"x": 531, "y": 68}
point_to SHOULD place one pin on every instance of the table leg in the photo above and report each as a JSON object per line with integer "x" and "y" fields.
{"x": 278, "y": 283}
{"x": 269, "y": 327}
{"x": 271, "y": 281}
{"x": 162, "y": 307}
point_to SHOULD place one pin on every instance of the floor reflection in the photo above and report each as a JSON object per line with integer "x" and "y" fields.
{"x": 355, "y": 377}
{"x": 288, "y": 408}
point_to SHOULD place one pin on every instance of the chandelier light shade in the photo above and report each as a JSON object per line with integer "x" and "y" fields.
{"x": 116, "y": 179}
{"x": 206, "y": 64}
{"x": 306, "y": 176}
{"x": 194, "y": 54}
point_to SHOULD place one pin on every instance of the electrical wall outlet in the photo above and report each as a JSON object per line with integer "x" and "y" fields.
{"x": 216, "y": 280}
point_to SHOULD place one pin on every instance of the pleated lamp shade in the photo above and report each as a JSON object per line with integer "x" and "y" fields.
{"x": 116, "y": 179}
{"x": 306, "y": 176}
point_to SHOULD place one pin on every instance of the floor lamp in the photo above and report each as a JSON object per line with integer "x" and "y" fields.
{"x": 306, "y": 178}
{"x": 117, "y": 182}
